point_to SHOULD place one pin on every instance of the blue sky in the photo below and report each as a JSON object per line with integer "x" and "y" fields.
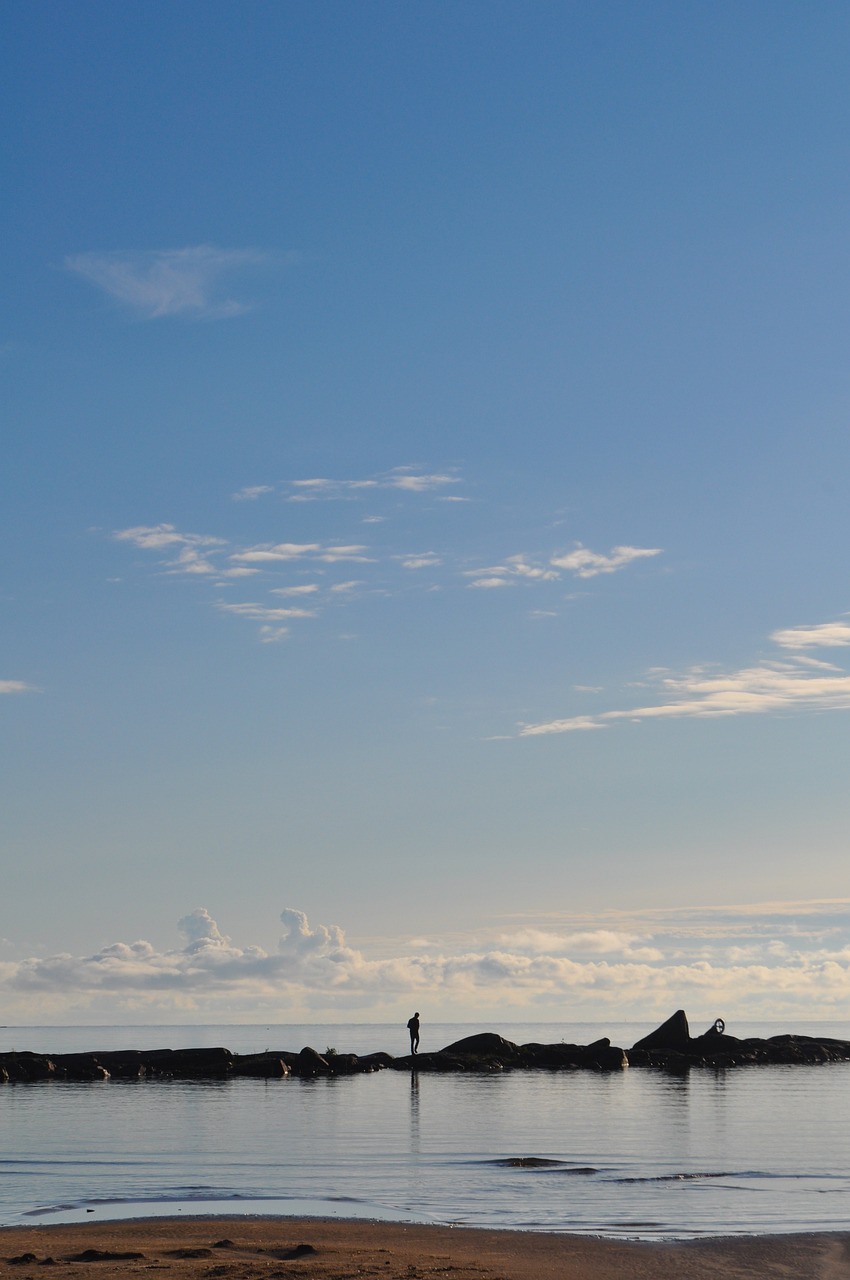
{"x": 425, "y": 504}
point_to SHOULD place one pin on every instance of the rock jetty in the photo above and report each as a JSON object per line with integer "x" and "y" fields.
{"x": 671, "y": 1047}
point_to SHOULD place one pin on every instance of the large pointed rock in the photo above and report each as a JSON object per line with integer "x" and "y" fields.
{"x": 672, "y": 1036}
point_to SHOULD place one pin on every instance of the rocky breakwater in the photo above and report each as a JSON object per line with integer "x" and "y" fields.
{"x": 180, "y": 1064}
{"x": 480, "y": 1053}
{"x": 672, "y": 1047}
{"x": 490, "y": 1052}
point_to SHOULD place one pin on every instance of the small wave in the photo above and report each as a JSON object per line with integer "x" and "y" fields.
{"x": 689, "y": 1177}
{"x": 526, "y": 1162}
{"x": 543, "y": 1163}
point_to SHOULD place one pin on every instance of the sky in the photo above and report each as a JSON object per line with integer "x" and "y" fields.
{"x": 424, "y": 489}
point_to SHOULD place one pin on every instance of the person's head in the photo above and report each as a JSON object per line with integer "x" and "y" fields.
{"x": 416, "y": 1014}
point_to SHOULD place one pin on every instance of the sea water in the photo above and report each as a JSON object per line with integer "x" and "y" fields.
{"x": 637, "y": 1153}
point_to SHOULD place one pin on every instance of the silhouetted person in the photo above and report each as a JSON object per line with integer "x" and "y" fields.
{"x": 413, "y": 1028}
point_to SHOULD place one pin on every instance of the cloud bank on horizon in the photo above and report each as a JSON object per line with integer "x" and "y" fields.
{"x": 764, "y": 960}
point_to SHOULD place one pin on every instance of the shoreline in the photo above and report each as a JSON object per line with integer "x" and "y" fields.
{"x": 245, "y": 1248}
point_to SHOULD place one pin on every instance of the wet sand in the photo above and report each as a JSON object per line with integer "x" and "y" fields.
{"x": 273, "y": 1248}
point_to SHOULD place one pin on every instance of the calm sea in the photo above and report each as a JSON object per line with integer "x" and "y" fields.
{"x": 637, "y": 1153}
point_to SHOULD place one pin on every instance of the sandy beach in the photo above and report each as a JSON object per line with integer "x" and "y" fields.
{"x": 245, "y": 1248}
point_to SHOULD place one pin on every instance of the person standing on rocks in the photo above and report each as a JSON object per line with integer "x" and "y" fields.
{"x": 413, "y": 1028}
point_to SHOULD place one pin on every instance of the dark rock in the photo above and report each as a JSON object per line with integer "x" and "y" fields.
{"x": 485, "y": 1045}
{"x": 599, "y": 1056}
{"x": 376, "y": 1061}
{"x": 444, "y": 1062}
{"x": 673, "y": 1034}
{"x": 124, "y": 1064}
{"x": 103, "y": 1255}
{"x": 297, "y": 1251}
{"x": 345, "y": 1064}
{"x": 310, "y": 1063}
{"x": 190, "y": 1064}
{"x": 80, "y": 1066}
{"x": 678, "y": 1063}
{"x": 264, "y": 1066}
{"x": 26, "y": 1066}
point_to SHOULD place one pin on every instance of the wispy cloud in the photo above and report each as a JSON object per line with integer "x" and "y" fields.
{"x": 264, "y": 613}
{"x": 402, "y": 479}
{"x": 585, "y": 563}
{"x": 792, "y": 683}
{"x": 826, "y": 635}
{"x": 252, "y": 492}
{"x": 353, "y": 552}
{"x": 385, "y": 568}
{"x": 269, "y": 554}
{"x": 425, "y": 560}
{"x": 768, "y": 960}
{"x": 518, "y": 566}
{"x": 17, "y": 686}
{"x": 192, "y": 549}
{"x": 155, "y": 537}
{"x": 169, "y": 282}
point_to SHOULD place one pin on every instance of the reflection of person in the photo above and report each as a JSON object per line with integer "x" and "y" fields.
{"x": 413, "y": 1028}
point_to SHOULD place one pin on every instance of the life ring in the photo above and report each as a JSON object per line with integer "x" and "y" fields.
{"x": 719, "y": 1026}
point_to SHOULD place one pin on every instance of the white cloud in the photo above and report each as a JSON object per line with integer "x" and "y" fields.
{"x": 425, "y": 560}
{"x": 765, "y": 960}
{"x": 585, "y": 563}
{"x": 193, "y": 549}
{"x": 332, "y": 555}
{"x": 168, "y": 282}
{"x": 419, "y": 483}
{"x": 829, "y": 635}
{"x": 405, "y": 479}
{"x": 264, "y": 613}
{"x": 220, "y": 561}
{"x": 251, "y": 492}
{"x": 17, "y": 686}
{"x": 488, "y": 583}
{"x": 156, "y": 537}
{"x": 191, "y": 561}
{"x": 767, "y": 687}
{"x": 272, "y": 635}
{"x": 270, "y": 553}
{"x": 514, "y": 567}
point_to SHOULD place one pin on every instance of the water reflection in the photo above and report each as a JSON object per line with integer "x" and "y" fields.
{"x": 414, "y": 1112}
